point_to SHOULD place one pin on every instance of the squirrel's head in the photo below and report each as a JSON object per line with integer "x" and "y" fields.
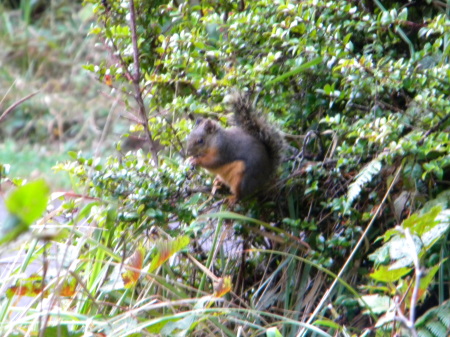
{"x": 200, "y": 139}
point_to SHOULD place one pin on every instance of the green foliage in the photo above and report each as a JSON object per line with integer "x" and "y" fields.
{"x": 435, "y": 322}
{"x": 143, "y": 196}
{"x": 398, "y": 257}
{"x": 25, "y": 205}
{"x": 425, "y": 229}
{"x": 29, "y": 201}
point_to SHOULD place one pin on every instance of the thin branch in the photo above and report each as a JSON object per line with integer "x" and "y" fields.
{"x": 15, "y": 105}
{"x": 399, "y": 317}
{"x": 136, "y": 78}
{"x": 433, "y": 129}
{"x": 418, "y": 271}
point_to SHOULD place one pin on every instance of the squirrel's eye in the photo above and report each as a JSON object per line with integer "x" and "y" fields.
{"x": 200, "y": 141}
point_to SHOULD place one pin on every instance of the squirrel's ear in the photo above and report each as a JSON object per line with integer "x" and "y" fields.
{"x": 210, "y": 126}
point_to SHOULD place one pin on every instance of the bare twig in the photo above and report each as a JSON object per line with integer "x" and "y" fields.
{"x": 399, "y": 317}
{"x": 15, "y": 105}
{"x": 433, "y": 129}
{"x": 136, "y": 78}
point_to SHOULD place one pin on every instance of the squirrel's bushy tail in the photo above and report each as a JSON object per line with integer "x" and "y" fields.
{"x": 247, "y": 118}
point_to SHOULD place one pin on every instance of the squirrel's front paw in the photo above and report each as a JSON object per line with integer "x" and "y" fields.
{"x": 193, "y": 161}
{"x": 217, "y": 185}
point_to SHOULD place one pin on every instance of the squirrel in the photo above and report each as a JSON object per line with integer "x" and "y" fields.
{"x": 244, "y": 157}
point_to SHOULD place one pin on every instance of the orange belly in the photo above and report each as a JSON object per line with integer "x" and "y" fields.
{"x": 231, "y": 174}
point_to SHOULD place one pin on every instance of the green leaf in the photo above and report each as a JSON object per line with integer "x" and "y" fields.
{"x": 73, "y": 154}
{"x": 95, "y": 31}
{"x": 25, "y": 205}
{"x": 29, "y": 201}
{"x": 327, "y": 323}
{"x": 419, "y": 224}
{"x": 296, "y": 71}
{"x": 86, "y": 210}
{"x": 378, "y": 303}
{"x": 430, "y": 227}
{"x": 403, "y": 15}
{"x": 386, "y": 18}
{"x": 157, "y": 327}
{"x": 182, "y": 326}
{"x": 426, "y": 230}
{"x": 429, "y": 276}
{"x": 273, "y": 332}
{"x": 347, "y": 38}
{"x": 384, "y": 274}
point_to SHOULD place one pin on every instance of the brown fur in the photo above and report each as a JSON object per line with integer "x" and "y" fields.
{"x": 244, "y": 157}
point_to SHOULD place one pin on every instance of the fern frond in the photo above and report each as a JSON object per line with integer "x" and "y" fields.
{"x": 444, "y": 317}
{"x": 437, "y": 329}
{"x": 435, "y": 322}
{"x": 425, "y": 333}
{"x": 361, "y": 179}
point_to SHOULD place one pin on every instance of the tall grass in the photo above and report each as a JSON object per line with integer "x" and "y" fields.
{"x": 44, "y": 46}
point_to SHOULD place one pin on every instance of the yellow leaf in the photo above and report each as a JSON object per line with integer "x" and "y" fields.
{"x": 165, "y": 249}
{"x": 222, "y": 286}
{"x": 133, "y": 266}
